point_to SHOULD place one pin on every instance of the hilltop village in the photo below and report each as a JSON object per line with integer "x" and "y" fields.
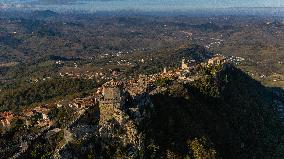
{"x": 111, "y": 97}
{"x": 110, "y": 92}
{"x": 113, "y": 112}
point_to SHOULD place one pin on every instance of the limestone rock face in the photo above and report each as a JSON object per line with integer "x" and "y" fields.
{"x": 118, "y": 115}
{"x": 118, "y": 132}
{"x": 121, "y": 133}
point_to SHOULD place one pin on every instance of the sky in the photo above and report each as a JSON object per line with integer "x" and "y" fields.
{"x": 140, "y": 5}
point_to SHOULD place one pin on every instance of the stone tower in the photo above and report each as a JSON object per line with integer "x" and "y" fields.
{"x": 112, "y": 94}
{"x": 112, "y": 100}
{"x": 184, "y": 64}
{"x": 165, "y": 70}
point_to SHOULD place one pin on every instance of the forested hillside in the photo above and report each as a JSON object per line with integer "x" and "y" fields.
{"x": 26, "y": 94}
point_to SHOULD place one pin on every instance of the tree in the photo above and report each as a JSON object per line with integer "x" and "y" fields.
{"x": 202, "y": 149}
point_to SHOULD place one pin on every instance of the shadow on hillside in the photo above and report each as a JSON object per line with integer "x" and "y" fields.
{"x": 240, "y": 123}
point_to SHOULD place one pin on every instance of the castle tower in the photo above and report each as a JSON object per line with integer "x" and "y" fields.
{"x": 184, "y": 64}
{"x": 112, "y": 100}
{"x": 112, "y": 93}
{"x": 165, "y": 70}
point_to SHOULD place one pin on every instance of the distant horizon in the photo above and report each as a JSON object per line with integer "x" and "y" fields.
{"x": 232, "y": 11}
{"x": 167, "y": 7}
{"x": 139, "y": 5}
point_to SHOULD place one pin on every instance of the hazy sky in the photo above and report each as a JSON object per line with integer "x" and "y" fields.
{"x": 144, "y": 5}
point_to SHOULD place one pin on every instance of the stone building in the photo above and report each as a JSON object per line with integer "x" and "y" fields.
{"x": 111, "y": 101}
{"x": 187, "y": 64}
{"x": 5, "y": 119}
{"x": 216, "y": 60}
{"x": 184, "y": 64}
{"x": 112, "y": 92}
{"x": 165, "y": 70}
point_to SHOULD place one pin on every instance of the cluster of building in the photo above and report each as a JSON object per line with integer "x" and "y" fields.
{"x": 236, "y": 60}
{"x": 39, "y": 116}
{"x": 112, "y": 94}
{"x": 76, "y": 75}
{"x": 216, "y": 42}
{"x": 6, "y": 119}
{"x": 35, "y": 80}
{"x": 217, "y": 60}
{"x": 187, "y": 73}
{"x": 140, "y": 85}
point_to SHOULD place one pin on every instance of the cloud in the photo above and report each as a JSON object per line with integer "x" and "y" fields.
{"x": 54, "y": 2}
{"x": 66, "y": 2}
{"x": 14, "y": 6}
{"x": 143, "y": 5}
{"x": 47, "y": 4}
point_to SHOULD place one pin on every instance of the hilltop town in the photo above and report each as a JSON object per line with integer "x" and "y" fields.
{"x": 126, "y": 102}
{"x": 110, "y": 98}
